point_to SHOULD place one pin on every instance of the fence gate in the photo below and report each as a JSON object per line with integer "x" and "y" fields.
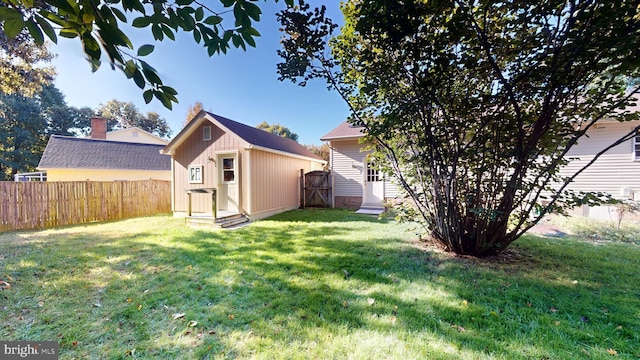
{"x": 317, "y": 189}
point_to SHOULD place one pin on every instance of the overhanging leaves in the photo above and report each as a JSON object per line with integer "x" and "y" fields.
{"x": 101, "y": 24}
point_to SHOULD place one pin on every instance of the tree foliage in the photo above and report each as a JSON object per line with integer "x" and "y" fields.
{"x": 192, "y": 111}
{"x": 321, "y": 151}
{"x": 473, "y": 105}
{"x": 99, "y": 27}
{"x": 279, "y": 130}
{"x": 22, "y": 65}
{"x": 121, "y": 115}
{"x": 26, "y": 124}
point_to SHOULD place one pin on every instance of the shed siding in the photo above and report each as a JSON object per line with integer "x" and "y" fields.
{"x": 347, "y": 161}
{"x": 105, "y": 175}
{"x": 195, "y": 151}
{"x": 346, "y": 166}
{"x": 275, "y": 181}
{"x": 614, "y": 170}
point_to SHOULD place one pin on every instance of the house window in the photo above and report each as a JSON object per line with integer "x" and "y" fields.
{"x": 636, "y": 147}
{"x": 228, "y": 170}
{"x": 195, "y": 174}
{"x": 206, "y": 133}
{"x": 373, "y": 173}
{"x": 134, "y": 134}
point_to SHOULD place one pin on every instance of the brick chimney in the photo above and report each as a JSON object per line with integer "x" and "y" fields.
{"x": 98, "y": 128}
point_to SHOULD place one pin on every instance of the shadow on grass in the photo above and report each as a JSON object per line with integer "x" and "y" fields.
{"x": 279, "y": 284}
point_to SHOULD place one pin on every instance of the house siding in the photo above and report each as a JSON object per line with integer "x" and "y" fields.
{"x": 275, "y": 182}
{"x": 195, "y": 151}
{"x": 129, "y": 135}
{"x": 105, "y": 175}
{"x": 614, "y": 170}
{"x": 347, "y": 166}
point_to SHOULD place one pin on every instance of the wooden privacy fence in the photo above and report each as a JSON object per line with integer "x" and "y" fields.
{"x": 317, "y": 189}
{"x": 29, "y": 205}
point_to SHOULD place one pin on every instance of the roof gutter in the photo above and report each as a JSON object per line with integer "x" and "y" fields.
{"x": 284, "y": 153}
{"x": 346, "y": 137}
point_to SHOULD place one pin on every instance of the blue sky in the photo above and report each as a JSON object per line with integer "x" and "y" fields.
{"x": 242, "y": 86}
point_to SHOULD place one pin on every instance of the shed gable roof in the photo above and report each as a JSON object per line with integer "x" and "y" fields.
{"x": 344, "y": 131}
{"x": 64, "y": 152}
{"x": 250, "y": 134}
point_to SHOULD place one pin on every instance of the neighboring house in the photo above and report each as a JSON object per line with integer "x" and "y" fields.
{"x": 357, "y": 183}
{"x": 136, "y": 135}
{"x": 616, "y": 172}
{"x": 101, "y": 159}
{"x": 253, "y": 172}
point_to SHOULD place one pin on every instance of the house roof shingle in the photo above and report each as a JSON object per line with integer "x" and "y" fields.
{"x": 344, "y": 131}
{"x": 250, "y": 134}
{"x": 84, "y": 153}
{"x": 262, "y": 138}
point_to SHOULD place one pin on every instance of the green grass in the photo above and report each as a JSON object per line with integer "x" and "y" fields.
{"x": 314, "y": 285}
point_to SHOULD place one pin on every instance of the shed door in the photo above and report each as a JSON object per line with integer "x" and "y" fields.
{"x": 228, "y": 183}
{"x": 373, "y": 193}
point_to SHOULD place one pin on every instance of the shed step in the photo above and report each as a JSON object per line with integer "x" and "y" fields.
{"x": 370, "y": 210}
{"x": 218, "y": 223}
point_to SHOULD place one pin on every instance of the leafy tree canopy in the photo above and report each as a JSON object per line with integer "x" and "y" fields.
{"x": 279, "y": 130}
{"x": 26, "y": 124}
{"x": 98, "y": 26}
{"x": 473, "y": 105}
{"x": 122, "y": 115}
{"x": 22, "y": 65}
{"x": 192, "y": 111}
{"x": 322, "y": 151}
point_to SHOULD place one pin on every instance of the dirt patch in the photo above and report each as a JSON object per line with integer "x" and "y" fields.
{"x": 547, "y": 229}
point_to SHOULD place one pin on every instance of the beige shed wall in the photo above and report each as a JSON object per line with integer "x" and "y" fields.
{"x": 275, "y": 182}
{"x": 105, "y": 175}
{"x": 196, "y": 151}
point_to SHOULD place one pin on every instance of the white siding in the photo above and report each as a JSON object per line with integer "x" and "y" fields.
{"x": 135, "y": 135}
{"x": 347, "y": 163}
{"x": 391, "y": 188}
{"x": 614, "y": 170}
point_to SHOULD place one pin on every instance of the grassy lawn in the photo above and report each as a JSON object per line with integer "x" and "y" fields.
{"x": 314, "y": 285}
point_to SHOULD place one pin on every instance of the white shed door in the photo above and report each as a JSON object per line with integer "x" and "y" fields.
{"x": 373, "y": 194}
{"x": 228, "y": 183}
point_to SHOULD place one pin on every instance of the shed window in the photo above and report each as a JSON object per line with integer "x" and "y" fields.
{"x": 636, "y": 147}
{"x": 373, "y": 173}
{"x": 206, "y": 133}
{"x": 195, "y": 174}
{"x": 228, "y": 170}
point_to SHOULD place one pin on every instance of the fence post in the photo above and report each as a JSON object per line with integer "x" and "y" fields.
{"x": 120, "y": 199}
{"x": 189, "y": 203}
{"x": 87, "y": 202}
{"x": 214, "y": 203}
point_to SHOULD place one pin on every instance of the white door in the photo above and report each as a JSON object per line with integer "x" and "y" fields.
{"x": 228, "y": 183}
{"x": 373, "y": 186}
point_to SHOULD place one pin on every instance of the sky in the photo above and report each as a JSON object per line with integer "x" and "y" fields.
{"x": 242, "y": 86}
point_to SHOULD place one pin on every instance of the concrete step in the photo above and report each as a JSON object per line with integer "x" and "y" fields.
{"x": 370, "y": 210}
